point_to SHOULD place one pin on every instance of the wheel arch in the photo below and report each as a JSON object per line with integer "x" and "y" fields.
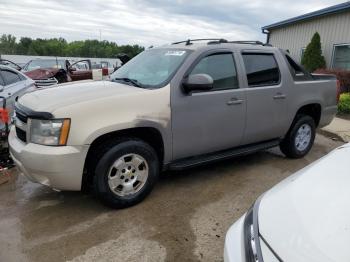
{"x": 150, "y": 135}
{"x": 313, "y": 110}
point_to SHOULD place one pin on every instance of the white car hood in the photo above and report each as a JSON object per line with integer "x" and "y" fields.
{"x": 50, "y": 99}
{"x": 307, "y": 216}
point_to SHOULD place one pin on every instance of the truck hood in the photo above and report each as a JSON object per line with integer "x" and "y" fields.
{"x": 307, "y": 217}
{"x": 52, "y": 98}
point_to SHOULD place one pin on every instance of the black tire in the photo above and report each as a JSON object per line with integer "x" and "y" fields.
{"x": 288, "y": 145}
{"x": 115, "y": 151}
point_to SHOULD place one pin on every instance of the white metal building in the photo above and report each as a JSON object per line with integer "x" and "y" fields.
{"x": 333, "y": 25}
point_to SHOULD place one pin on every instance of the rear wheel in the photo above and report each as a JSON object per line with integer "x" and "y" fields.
{"x": 300, "y": 137}
{"x": 126, "y": 173}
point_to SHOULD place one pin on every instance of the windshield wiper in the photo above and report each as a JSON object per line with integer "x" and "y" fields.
{"x": 134, "y": 82}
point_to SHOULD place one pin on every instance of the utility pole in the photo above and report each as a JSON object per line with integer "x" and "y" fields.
{"x": 100, "y": 36}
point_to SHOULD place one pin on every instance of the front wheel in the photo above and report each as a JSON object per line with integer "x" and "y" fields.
{"x": 299, "y": 138}
{"x": 126, "y": 173}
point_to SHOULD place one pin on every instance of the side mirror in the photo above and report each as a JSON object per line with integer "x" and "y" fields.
{"x": 198, "y": 82}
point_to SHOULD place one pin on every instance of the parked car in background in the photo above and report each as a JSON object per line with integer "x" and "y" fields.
{"x": 9, "y": 63}
{"x": 13, "y": 84}
{"x": 172, "y": 107}
{"x": 47, "y": 72}
{"x": 106, "y": 67}
{"x": 304, "y": 218}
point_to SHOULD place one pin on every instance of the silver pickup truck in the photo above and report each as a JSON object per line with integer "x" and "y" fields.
{"x": 172, "y": 107}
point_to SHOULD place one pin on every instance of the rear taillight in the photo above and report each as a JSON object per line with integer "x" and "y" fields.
{"x": 4, "y": 115}
{"x": 338, "y": 90}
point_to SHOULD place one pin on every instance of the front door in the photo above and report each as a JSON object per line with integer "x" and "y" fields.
{"x": 266, "y": 97}
{"x": 209, "y": 121}
{"x": 80, "y": 70}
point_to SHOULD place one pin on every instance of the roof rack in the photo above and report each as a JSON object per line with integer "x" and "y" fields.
{"x": 212, "y": 41}
{"x": 189, "y": 41}
{"x": 247, "y": 42}
{"x": 251, "y": 43}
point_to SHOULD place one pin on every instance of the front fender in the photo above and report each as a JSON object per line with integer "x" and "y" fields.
{"x": 164, "y": 130}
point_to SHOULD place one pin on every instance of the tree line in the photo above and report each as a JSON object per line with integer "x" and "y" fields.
{"x": 10, "y": 45}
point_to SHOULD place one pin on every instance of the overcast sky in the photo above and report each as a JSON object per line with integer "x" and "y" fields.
{"x": 148, "y": 22}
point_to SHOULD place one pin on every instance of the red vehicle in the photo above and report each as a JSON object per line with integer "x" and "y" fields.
{"x": 46, "y": 72}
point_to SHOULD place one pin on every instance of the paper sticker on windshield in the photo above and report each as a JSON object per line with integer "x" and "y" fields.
{"x": 175, "y": 53}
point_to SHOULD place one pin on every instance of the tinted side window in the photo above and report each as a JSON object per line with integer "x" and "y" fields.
{"x": 221, "y": 68}
{"x": 261, "y": 69}
{"x": 10, "y": 77}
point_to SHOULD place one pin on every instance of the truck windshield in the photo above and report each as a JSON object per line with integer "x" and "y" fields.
{"x": 152, "y": 68}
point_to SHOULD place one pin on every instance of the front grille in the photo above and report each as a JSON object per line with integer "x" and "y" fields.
{"x": 21, "y": 116}
{"x": 46, "y": 82}
{"x": 22, "y": 135}
{"x": 21, "y": 120}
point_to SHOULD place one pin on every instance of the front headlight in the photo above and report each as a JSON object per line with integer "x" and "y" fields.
{"x": 49, "y": 132}
{"x": 251, "y": 235}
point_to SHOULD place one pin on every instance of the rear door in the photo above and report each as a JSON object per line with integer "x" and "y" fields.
{"x": 266, "y": 97}
{"x": 209, "y": 121}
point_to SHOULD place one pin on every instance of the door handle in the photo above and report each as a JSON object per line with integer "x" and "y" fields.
{"x": 279, "y": 96}
{"x": 234, "y": 101}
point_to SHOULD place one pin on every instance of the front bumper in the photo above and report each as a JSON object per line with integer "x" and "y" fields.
{"x": 58, "y": 167}
{"x": 327, "y": 115}
{"x": 234, "y": 243}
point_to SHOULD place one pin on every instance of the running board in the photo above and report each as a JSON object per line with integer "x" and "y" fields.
{"x": 221, "y": 155}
